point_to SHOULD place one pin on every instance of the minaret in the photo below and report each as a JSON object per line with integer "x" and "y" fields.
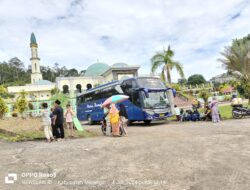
{"x": 35, "y": 61}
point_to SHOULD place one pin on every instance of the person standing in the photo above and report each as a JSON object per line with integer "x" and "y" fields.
{"x": 124, "y": 119}
{"x": 107, "y": 119}
{"x": 58, "y": 120}
{"x": 46, "y": 122}
{"x": 114, "y": 120}
{"x": 214, "y": 106}
{"x": 54, "y": 129}
{"x": 69, "y": 114}
{"x": 177, "y": 113}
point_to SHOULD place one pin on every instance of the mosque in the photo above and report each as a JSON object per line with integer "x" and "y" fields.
{"x": 95, "y": 74}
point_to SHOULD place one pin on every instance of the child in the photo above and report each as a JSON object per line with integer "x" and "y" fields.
{"x": 177, "y": 113}
{"x": 46, "y": 122}
{"x": 69, "y": 114}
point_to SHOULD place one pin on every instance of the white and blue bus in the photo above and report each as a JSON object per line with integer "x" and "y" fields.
{"x": 149, "y": 100}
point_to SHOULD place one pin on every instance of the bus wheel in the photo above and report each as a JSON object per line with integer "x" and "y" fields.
{"x": 147, "y": 122}
{"x": 90, "y": 122}
{"x": 129, "y": 122}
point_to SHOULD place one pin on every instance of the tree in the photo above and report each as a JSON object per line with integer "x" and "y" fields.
{"x": 72, "y": 73}
{"x": 204, "y": 94}
{"x": 54, "y": 91}
{"x": 165, "y": 60}
{"x": 3, "y": 92}
{"x": 236, "y": 59}
{"x": 244, "y": 89}
{"x": 21, "y": 103}
{"x": 3, "y": 108}
{"x": 64, "y": 99}
{"x": 196, "y": 79}
{"x": 13, "y": 72}
{"x": 182, "y": 81}
{"x": 18, "y": 66}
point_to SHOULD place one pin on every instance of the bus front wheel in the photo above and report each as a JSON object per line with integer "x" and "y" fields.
{"x": 147, "y": 122}
{"x": 90, "y": 122}
{"x": 129, "y": 122}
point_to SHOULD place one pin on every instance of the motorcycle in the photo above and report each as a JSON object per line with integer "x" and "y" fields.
{"x": 239, "y": 111}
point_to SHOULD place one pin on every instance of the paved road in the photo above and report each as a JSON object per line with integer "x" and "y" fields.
{"x": 177, "y": 156}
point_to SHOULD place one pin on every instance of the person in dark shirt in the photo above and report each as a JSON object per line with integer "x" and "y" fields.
{"x": 123, "y": 119}
{"x": 58, "y": 120}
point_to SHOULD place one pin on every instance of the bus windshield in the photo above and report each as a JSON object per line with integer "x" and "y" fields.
{"x": 155, "y": 100}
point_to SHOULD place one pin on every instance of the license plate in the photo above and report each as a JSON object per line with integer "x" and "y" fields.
{"x": 162, "y": 115}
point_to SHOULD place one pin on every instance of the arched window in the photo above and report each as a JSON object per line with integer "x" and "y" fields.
{"x": 89, "y": 86}
{"x": 65, "y": 89}
{"x": 79, "y": 88}
{"x": 35, "y": 67}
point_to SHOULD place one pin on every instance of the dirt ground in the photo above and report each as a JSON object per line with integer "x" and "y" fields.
{"x": 178, "y": 156}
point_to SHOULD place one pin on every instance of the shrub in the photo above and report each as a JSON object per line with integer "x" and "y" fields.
{"x": 21, "y": 103}
{"x": 3, "y": 108}
{"x": 204, "y": 94}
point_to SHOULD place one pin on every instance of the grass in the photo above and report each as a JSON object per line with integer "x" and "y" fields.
{"x": 226, "y": 111}
{"x": 39, "y": 135}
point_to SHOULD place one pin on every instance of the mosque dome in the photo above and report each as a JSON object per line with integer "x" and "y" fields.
{"x": 120, "y": 65}
{"x": 96, "y": 69}
{"x": 42, "y": 82}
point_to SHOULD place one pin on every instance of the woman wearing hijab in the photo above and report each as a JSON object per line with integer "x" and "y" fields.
{"x": 114, "y": 120}
{"x": 215, "y": 110}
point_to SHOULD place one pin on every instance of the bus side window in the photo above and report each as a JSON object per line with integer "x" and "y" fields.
{"x": 127, "y": 87}
{"x": 134, "y": 85}
{"x": 82, "y": 99}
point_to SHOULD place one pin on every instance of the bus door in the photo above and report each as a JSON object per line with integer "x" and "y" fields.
{"x": 134, "y": 104}
{"x": 138, "y": 114}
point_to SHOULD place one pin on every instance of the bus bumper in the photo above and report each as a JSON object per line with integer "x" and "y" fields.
{"x": 157, "y": 116}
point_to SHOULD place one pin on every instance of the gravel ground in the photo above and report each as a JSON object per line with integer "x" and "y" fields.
{"x": 164, "y": 156}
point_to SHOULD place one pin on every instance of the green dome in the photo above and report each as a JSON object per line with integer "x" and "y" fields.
{"x": 96, "y": 69}
{"x": 32, "y": 38}
{"x": 120, "y": 65}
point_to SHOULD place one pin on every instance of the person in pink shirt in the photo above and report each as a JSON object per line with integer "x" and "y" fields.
{"x": 69, "y": 114}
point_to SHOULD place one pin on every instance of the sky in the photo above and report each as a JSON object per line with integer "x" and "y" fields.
{"x": 78, "y": 33}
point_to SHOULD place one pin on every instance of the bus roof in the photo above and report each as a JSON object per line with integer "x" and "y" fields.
{"x": 100, "y": 87}
{"x": 112, "y": 84}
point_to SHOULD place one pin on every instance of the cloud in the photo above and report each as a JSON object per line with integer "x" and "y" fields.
{"x": 77, "y": 33}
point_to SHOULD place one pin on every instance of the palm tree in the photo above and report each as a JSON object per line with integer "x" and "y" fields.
{"x": 165, "y": 59}
{"x": 237, "y": 60}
